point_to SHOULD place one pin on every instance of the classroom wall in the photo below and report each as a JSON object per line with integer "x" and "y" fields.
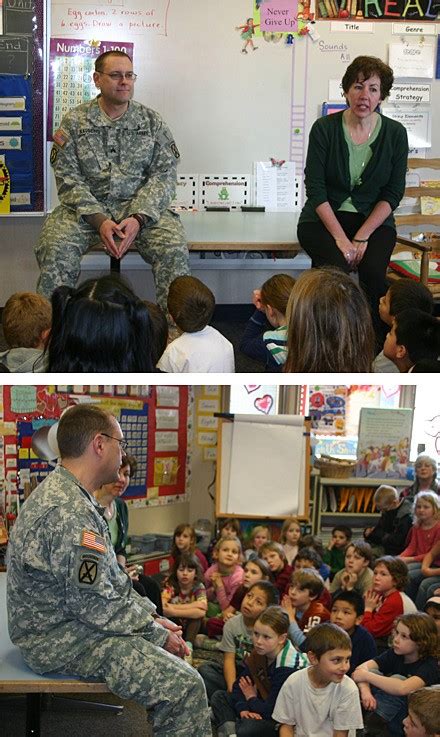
{"x": 200, "y": 505}
{"x": 226, "y": 109}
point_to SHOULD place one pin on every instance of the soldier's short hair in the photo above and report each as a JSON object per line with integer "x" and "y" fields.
{"x": 101, "y": 59}
{"x": 79, "y": 425}
{"x": 190, "y": 303}
{"x": 25, "y": 317}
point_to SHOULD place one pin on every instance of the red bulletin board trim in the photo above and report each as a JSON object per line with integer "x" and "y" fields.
{"x": 180, "y": 486}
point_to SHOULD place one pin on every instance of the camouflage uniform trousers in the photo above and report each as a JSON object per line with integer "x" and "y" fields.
{"x": 64, "y": 240}
{"x": 137, "y": 670}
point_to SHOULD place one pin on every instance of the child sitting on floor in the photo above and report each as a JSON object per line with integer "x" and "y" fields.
{"x": 272, "y": 660}
{"x": 334, "y": 555}
{"x": 356, "y": 574}
{"x": 290, "y": 538}
{"x": 184, "y": 541}
{"x": 321, "y": 701}
{"x": 408, "y": 665}
{"x": 199, "y": 348}
{"x": 230, "y": 526}
{"x": 423, "y": 718}
{"x": 423, "y": 536}
{"x": 223, "y": 578}
{"x": 254, "y": 570}
{"x": 26, "y": 319}
{"x": 389, "y": 534}
{"x": 302, "y": 605}
{"x": 385, "y": 601}
{"x": 236, "y": 642}
{"x": 184, "y": 596}
{"x": 347, "y": 612}
{"x": 275, "y": 558}
{"x": 401, "y": 295}
{"x": 258, "y": 537}
{"x": 414, "y": 337}
{"x": 259, "y": 342}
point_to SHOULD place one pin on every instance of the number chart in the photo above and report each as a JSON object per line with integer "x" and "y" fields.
{"x": 72, "y": 64}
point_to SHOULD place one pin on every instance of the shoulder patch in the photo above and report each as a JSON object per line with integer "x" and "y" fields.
{"x": 60, "y": 137}
{"x": 87, "y": 569}
{"x": 175, "y": 150}
{"x": 53, "y": 155}
{"x": 90, "y": 539}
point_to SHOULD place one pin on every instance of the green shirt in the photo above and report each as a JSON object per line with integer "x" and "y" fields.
{"x": 327, "y": 171}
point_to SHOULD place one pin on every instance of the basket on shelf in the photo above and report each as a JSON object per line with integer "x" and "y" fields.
{"x": 335, "y": 468}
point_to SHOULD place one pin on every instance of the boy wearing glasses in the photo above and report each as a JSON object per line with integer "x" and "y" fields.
{"x": 115, "y": 163}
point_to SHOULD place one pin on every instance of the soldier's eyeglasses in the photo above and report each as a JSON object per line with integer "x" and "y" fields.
{"x": 123, "y": 443}
{"x": 119, "y": 76}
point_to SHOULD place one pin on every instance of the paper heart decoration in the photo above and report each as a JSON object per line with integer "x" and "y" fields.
{"x": 390, "y": 391}
{"x": 251, "y": 387}
{"x": 264, "y": 404}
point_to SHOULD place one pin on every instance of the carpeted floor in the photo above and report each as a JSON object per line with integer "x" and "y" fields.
{"x": 73, "y": 719}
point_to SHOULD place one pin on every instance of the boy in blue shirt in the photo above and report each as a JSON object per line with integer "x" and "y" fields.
{"x": 347, "y": 612}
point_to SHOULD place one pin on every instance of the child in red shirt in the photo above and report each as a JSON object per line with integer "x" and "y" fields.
{"x": 386, "y": 600}
{"x": 275, "y": 557}
{"x": 302, "y": 605}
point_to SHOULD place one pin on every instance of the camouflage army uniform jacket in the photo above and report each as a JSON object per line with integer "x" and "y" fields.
{"x": 65, "y": 589}
{"x": 115, "y": 167}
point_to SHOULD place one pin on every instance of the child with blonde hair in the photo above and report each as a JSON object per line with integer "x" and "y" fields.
{"x": 259, "y": 343}
{"x": 423, "y": 718}
{"x": 388, "y": 535}
{"x": 409, "y": 664}
{"x": 290, "y": 537}
{"x": 258, "y": 537}
{"x": 424, "y": 534}
{"x": 223, "y": 578}
{"x": 26, "y": 320}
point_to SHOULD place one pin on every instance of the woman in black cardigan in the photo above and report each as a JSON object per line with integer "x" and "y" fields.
{"x": 355, "y": 178}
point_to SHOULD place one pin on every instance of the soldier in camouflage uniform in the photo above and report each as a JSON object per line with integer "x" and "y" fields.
{"x": 115, "y": 166}
{"x": 72, "y": 610}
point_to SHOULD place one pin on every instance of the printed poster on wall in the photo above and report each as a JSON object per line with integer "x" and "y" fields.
{"x": 384, "y": 443}
{"x": 327, "y": 407}
{"x": 71, "y": 66}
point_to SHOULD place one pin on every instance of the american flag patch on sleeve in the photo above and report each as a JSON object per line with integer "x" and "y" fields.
{"x": 90, "y": 539}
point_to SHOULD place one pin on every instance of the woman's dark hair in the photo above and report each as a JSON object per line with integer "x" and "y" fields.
{"x": 159, "y": 330}
{"x": 100, "y": 326}
{"x": 364, "y": 67}
{"x": 131, "y": 462}
{"x": 407, "y": 294}
{"x": 185, "y": 560}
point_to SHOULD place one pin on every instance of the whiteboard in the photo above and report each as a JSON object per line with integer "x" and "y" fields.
{"x": 227, "y": 109}
{"x": 263, "y": 467}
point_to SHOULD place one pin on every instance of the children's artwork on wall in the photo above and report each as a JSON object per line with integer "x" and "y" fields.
{"x": 162, "y": 474}
{"x": 384, "y": 443}
{"x": 375, "y": 10}
{"x": 327, "y": 406}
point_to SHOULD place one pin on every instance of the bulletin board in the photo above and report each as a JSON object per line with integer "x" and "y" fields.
{"x": 155, "y": 422}
{"x": 263, "y": 467}
{"x": 22, "y": 49}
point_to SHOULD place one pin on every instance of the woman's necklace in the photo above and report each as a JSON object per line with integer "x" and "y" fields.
{"x": 360, "y": 143}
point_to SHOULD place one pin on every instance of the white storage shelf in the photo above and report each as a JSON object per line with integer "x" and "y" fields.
{"x": 351, "y": 517}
